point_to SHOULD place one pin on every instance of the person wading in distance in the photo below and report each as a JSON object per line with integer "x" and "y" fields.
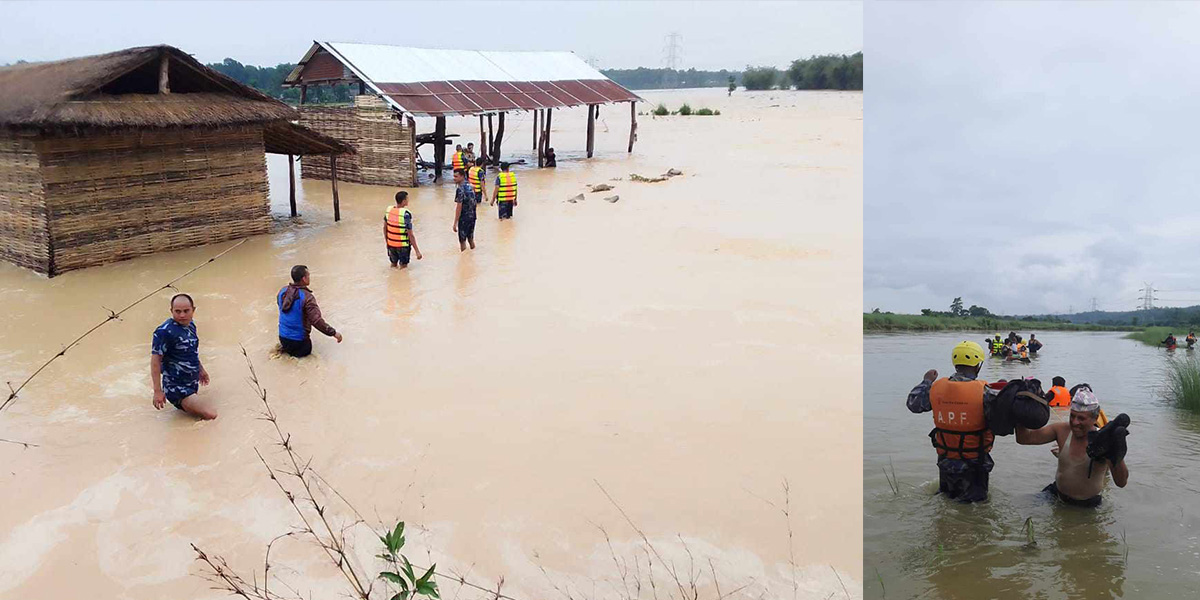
{"x": 299, "y": 313}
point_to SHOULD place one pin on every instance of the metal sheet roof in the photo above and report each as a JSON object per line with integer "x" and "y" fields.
{"x": 470, "y": 82}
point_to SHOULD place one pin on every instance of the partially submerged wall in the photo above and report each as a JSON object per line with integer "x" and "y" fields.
{"x": 384, "y": 143}
{"x": 114, "y": 196}
{"x": 24, "y": 232}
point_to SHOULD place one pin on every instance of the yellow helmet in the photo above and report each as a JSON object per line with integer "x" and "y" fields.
{"x": 967, "y": 353}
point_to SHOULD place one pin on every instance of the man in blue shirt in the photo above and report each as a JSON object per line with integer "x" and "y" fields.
{"x": 464, "y": 210}
{"x": 175, "y": 368}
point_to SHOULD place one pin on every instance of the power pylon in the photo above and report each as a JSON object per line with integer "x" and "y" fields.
{"x": 672, "y": 56}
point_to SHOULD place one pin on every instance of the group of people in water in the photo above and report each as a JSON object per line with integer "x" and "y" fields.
{"x": 1014, "y": 347}
{"x": 1170, "y": 342}
{"x": 969, "y": 413}
{"x": 176, "y": 372}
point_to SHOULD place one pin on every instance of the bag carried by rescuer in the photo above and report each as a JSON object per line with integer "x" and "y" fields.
{"x": 1020, "y": 402}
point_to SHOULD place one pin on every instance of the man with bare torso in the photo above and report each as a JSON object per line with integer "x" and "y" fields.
{"x": 1072, "y": 482}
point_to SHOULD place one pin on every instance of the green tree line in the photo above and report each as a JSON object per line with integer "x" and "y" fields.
{"x": 269, "y": 80}
{"x": 827, "y": 72}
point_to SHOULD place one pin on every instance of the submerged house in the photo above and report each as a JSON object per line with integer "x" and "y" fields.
{"x": 396, "y": 84}
{"x": 108, "y": 157}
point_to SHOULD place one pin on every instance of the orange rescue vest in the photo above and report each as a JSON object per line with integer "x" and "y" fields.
{"x": 507, "y": 187}
{"x": 960, "y": 430}
{"x": 475, "y": 176}
{"x": 397, "y": 231}
{"x": 1059, "y": 396}
{"x": 458, "y": 161}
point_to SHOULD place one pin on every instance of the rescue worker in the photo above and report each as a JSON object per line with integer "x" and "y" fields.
{"x": 398, "y": 232}
{"x": 476, "y": 174}
{"x": 1190, "y": 339}
{"x": 1058, "y": 396}
{"x": 458, "y": 161}
{"x": 1034, "y": 344}
{"x": 1169, "y": 342}
{"x": 960, "y": 433}
{"x": 464, "y": 211}
{"x": 506, "y": 191}
{"x": 469, "y": 153}
{"x": 299, "y": 313}
{"x": 997, "y": 345}
{"x": 1080, "y": 478}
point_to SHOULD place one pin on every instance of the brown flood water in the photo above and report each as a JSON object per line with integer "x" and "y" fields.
{"x": 689, "y": 347}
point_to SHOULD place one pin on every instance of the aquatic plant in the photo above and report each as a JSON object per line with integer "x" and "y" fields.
{"x": 760, "y": 78}
{"x": 717, "y": 112}
{"x": 1154, "y": 335}
{"x": 1183, "y": 383}
{"x": 685, "y": 110}
{"x": 661, "y": 110}
{"x": 1029, "y": 539}
{"x": 705, "y": 112}
{"x": 891, "y": 479}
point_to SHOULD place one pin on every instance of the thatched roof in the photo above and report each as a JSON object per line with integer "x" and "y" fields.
{"x": 282, "y": 137}
{"x": 120, "y": 89}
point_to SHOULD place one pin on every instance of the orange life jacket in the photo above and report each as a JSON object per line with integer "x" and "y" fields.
{"x": 1059, "y": 396}
{"x": 397, "y": 231}
{"x": 458, "y": 161}
{"x": 475, "y": 176}
{"x": 507, "y": 187}
{"x": 960, "y": 430}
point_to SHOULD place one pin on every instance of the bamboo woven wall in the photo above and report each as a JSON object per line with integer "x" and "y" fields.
{"x": 384, "y": 144}
{"x": 113, "y": 196}
{"x": 24, "y": 235}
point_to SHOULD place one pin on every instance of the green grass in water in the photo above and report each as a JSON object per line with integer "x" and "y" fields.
{"x": 1183, "y": 383}
{"x": 1154, "y": 335}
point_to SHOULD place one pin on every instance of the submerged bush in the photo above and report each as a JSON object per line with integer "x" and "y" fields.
{"x": 1183, "y": 383}
{"x": 685, "y": 110}
{"x": 661, "y": 110}
{"x": 705, "y": 112}
{"x": 760, "y": 78}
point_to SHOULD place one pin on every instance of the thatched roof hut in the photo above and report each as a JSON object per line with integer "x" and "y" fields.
{"x": 144, "y": 150}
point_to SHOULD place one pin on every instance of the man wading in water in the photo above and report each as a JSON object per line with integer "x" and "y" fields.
{"x": 299, "y": 313}
{"x": 175, "y": 369}
{"x": 1072, "y": 483}
{"x": 960, "y": 432}
{"x": 464, "y": 211}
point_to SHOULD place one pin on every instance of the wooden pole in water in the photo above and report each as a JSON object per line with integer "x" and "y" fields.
{"x": 439, "y": 147}
{"x": 482, "y": 137}
{"x": 164, "y": 85}
{"x": 491, "y": 140}
{"x": 499, "y": 140}
{"x": 292, "y": 183}
{"x": 546, "y": 132}
{"x": 303, "y": 93}
{"x": 337, "y": 208}
{"x": 591, "y": 130}
{"x": 536, "y": 150}
{"x": 632, "y": 123}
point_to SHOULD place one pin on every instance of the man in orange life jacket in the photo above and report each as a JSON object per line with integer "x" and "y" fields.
{"x": 1059, "y": 397}
{"x": 960, "y": 432}
{"x": 398, "y": 232}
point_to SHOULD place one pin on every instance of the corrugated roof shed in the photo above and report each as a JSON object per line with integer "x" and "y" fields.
{"x": 461, "y": 82}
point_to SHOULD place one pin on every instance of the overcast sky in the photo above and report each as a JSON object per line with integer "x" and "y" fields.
{"x": 618, "y": 34}
{"x": 1029, "y": 157}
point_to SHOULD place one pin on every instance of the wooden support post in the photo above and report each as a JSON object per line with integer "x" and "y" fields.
{"x": 482, "y": 137}
{"x": 439, "y": 147}
{"x": 495, "y": 154}
{"x": 337, "y": 208}
{"x": 546, "y": 132}
{"x": 292, "y": 183}
{"x": 535, "y": 129}
{"x": 362, "y": 88}
{"x": 632, "y": 123}
{"x": 591, "y": 130}
{"x": 303, "y": 93}
{"x": 491, "y": 140}
{"x": 164, "y": 85}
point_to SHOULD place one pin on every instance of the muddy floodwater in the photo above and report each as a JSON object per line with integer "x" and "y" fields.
{"x": 1141, "y": 543}
{"x": 689, "y": 348}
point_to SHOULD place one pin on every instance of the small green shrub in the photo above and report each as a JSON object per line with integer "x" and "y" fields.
{"x": 705, "y": 112}
{"x": 1183, "y": 383}
{"x": 685, "y": 110}
{"x": 717, "y": 113}
{"x": 661, "y": 110}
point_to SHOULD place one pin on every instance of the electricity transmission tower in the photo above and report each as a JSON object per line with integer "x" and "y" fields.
{"x": 1148, "y": 296}
{"x": 672, "y": 56}
{"x": 1095, "y": 306}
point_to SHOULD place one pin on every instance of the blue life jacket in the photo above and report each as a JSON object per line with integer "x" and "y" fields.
{"x": 291, "y": 322}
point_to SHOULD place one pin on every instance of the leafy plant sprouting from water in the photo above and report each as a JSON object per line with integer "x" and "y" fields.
{"x": 1028, "y": 527}
{"x": 891, "y": 479}
{"x": 402, "y": 576}
{"x": 662, "y": 110}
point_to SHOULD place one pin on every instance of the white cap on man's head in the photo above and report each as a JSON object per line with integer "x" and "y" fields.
{"x": 1085, "y": 401}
